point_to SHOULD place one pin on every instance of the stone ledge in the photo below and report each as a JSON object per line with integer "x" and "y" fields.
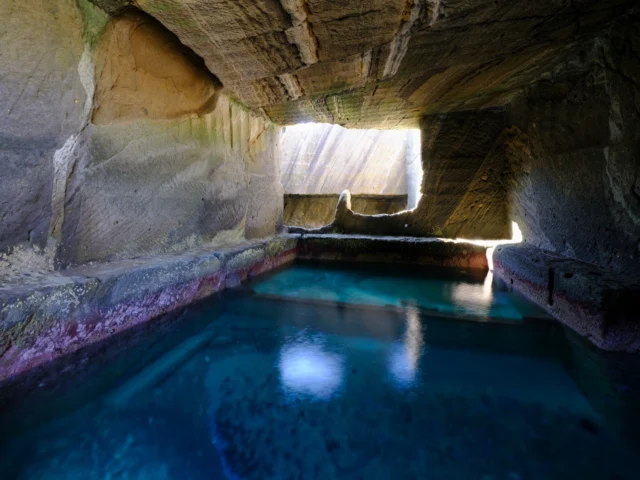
{"x": 433, "y": 252}
{"x": 599, "y": 304}
{"x": 65, "y": 311}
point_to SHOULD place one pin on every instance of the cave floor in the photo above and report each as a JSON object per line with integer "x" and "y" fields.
{"x": 256, "y": 384}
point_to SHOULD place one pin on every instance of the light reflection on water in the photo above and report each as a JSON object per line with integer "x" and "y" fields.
{"x": 309, "y": 368}
{"x": 306, "y": 368}
{"x": 404, "y": 357}
{"x": 466, "y": 294}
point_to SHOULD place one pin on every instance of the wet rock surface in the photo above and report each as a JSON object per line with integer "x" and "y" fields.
{"x": 60, "y": 313}
{"x": 598, "y": 303}
{"x": 396, "y": 250}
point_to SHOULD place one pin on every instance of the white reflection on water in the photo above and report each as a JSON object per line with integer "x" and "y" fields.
{"x": 405, "y": 357}
{"x": 474, "y": 298}
{"x": 307, "y": 369}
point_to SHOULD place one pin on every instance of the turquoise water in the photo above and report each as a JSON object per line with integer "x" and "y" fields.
{"x": 250, "y": 386}
{"x": 445, "y": 291}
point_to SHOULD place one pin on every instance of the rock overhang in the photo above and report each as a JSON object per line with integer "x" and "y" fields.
{"x": 381, "y": 64}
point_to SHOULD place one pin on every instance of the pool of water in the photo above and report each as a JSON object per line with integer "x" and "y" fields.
{"x": 458, "y": 292}
{"x": 253, "y": 386}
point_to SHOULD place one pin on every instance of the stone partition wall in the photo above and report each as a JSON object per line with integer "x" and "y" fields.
{"x": 320, "y": 210}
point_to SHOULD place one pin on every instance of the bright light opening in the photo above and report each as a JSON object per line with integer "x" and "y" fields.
{"x": 382, "y": 169}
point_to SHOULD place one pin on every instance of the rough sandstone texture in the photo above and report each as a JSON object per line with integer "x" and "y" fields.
{"x": 59, "y": 314}
{"x": 144, "y": 72}
{"x": 319, "y": 210}
{"x": 381, "y": 63}
{"x": 154, "y": 186}
{"x": 396, "y": 250}
{"x": 561, "y": 159}
{"x": 118, "y": 143}
{"x": 575, "y": 150}
{"x": 118, "y": 148}
{"x": 42, "y": 100}
{"x": 599, "y": 304}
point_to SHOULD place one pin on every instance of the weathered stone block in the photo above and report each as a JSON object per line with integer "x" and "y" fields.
{"x": 600, "y": 304}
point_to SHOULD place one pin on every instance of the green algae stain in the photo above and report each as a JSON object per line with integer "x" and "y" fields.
{"x": 94, "y": 22}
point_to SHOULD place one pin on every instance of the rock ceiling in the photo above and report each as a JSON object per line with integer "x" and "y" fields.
{"x": 378, "y": 63}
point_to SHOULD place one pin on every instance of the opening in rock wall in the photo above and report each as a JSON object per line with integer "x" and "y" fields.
{"x": 381, "y": 168}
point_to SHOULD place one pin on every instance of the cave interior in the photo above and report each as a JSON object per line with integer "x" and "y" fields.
{"x": 154, "y": 152}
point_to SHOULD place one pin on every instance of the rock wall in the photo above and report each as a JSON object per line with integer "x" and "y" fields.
{"x": 320, "y": 159}
{"x": 154, "y": 186}
{"x": 575, "y": 149}
{"x": 42, "y": 100}
{"x": 144, "y": 72}
{"x": 465, "y": 184}
{"x": 561, "y": 161}
{"x": 118, "y": 142}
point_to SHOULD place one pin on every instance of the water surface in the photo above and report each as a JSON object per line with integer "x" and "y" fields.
{"x": 271, "y": 387}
